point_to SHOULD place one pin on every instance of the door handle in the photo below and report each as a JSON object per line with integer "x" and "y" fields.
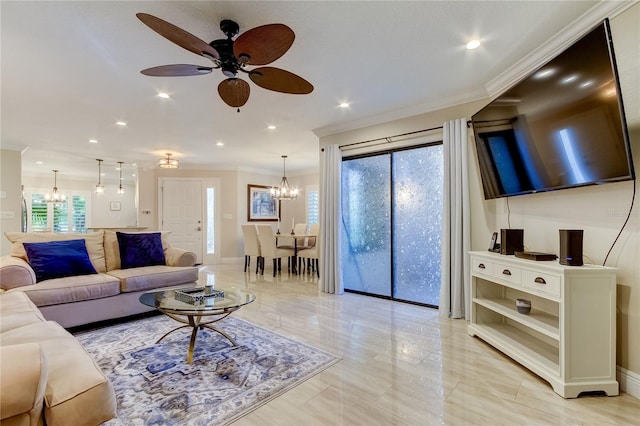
{"x": 198, "y": 229}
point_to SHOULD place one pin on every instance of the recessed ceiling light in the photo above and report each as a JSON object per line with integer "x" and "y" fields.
{"x": 271, "y": 127}
{"x": 569, "y": 79}
{"x": 220, "y": 143}
{"x": 345, "y": 105}
{"x": 121, "y": 123}
{"x": 38, "y": 162}
{"x": 163, "y": 95}
{"x": 93, "y": 141}
{"x": 133, "y": 174}
{"x": 473, "y": 44}
{"x": 586, "y": 84}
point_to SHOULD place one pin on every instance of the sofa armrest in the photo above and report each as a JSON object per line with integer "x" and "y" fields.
{"x": 15, "y": 272}
{"x": 179, "y": 257}
{"x": 23, "y": 380}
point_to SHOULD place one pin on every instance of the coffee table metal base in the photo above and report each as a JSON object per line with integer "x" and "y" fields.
{"x": 196, "y": 323}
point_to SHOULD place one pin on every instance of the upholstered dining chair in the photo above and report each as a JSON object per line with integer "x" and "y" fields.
{"x": 309, "y": 242}
{"x": 251, "y": 246}
{"x": 309, "y": 256}
{"x": 268, "y": 248}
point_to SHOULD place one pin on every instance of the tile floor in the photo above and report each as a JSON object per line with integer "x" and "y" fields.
{"x": 401, "y": 364}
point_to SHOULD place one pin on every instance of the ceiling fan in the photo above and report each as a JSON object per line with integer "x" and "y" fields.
{"x": 258, "y": 46}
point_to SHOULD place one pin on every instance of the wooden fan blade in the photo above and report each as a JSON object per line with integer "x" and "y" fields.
{"x": 263, "y": 45}
{"x": 234, "y": 92}
{"x": 179, "y": 36}
{"x": 176, "y": 70}
{"x": 280, "y": 80}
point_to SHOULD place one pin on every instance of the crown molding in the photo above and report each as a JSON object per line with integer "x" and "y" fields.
{"x": 401, "y": 113}
{"x": 562, "y": 40}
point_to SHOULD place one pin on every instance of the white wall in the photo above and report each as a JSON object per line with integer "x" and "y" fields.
{"x": 10, "y": 196}
{"x": 102, "y": 215}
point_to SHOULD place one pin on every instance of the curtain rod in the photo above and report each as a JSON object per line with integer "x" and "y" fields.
{"x": 387, "y": 139}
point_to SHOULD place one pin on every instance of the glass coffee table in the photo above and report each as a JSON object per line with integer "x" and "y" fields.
{"x": 207, "y": 311}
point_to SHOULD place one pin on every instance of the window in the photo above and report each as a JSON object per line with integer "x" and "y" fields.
{"x": 313, "y": 205}
{"x": 78, "y": 213}
{"x": 211, "y": 217}
{"x": 39, "y": 217}
{"x": 57, "y": 217}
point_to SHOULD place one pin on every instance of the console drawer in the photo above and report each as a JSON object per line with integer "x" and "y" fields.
{"x": 481, "y": 266}
{"x": 508, "y": 273}
{"x": 543, "y": 283}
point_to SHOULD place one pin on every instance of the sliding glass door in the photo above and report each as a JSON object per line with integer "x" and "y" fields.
{"x": 392, "y": 222}
{"x": 366, "y": 216}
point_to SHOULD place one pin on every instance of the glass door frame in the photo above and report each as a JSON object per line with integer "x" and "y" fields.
{"x": 390, "y": 153}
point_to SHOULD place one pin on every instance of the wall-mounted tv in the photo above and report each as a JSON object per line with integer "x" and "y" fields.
{"x": 563, "y": 126}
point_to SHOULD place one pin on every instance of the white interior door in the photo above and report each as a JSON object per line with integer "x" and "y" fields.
{"x": 182, "y": 213}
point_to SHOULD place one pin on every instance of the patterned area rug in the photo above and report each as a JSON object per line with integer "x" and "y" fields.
{"x": 155, "y": 386}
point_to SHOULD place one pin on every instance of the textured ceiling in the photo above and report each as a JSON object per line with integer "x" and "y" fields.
{"x": 69, "y": 70}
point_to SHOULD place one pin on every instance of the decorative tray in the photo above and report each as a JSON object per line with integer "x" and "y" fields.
{"x": 197, "y": 296}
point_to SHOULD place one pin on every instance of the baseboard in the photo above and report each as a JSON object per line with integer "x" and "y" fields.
{"x": 629, "y": 382}
{"x": 232, "y": 260}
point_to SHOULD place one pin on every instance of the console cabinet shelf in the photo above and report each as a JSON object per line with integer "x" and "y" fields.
{"x": 569, "y": 336}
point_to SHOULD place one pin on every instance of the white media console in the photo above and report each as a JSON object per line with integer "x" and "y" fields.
{"x": 569, "y": 337}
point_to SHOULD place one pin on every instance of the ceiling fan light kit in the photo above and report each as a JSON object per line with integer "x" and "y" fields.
{"x": 257, "y": 46}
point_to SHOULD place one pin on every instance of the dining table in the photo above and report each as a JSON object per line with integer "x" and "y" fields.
{"x": 295, "y": 237}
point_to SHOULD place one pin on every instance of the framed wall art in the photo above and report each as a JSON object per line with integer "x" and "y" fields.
{"x": 261, "y": 206}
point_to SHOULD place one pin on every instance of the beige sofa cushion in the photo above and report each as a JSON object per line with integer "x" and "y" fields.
{"x": 71, "y": 289}
{"x": 150, "y": 277}
{"x": 77, "y": 392}
{"x": 93, "y": 240}
{"x": 24, "y": 373}
{"x": 16, "y": 310}
{"x": 112, "y": 250}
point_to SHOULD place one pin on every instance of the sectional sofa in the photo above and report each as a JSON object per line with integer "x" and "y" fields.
{"x": 46, "y": 376}
{"x": 112, "y": 292}
{"x": 50, "y": 282}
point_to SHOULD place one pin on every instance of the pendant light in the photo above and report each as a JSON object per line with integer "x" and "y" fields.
{"x": 168, "y": 162}
{"x": 55, "y": 196}
{"x": 284, "y": 191}
{"x": 99, "y": 186}
{"x": 120, "y": 188}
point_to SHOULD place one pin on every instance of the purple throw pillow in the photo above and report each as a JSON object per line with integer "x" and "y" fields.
{"x": 58, "y": 259}
{"x": 138, "y": 250}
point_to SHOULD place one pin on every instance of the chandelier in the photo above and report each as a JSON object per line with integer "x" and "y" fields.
{"x": 99, "y": 186}
{"x": 55, "y": 196}
{"x": 120, "y": 188}
{"x": 284, "y": 191}
{"x": 168, "y": 162}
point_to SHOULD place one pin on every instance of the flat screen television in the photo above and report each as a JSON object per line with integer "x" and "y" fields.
{"x": 563, "y": 126}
